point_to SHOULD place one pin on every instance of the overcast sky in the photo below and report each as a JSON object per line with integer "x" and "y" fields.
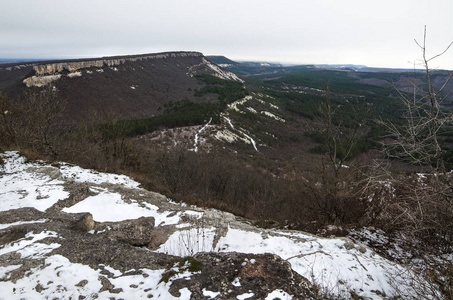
{"x": 368, "y": 32}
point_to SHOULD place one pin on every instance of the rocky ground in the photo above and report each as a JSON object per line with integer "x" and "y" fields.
{"x": 71, "y": 233}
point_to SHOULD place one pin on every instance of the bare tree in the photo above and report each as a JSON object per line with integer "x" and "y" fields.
{"x": 43, "y": 111}
{"x": 422, "y": 204}
{"x": 417, "y": 140}
{"x": 33, "y": 122}
{"x": 339, "y": 187}
{"x": 8, "y": 120}
{"x": 340, "y": 140}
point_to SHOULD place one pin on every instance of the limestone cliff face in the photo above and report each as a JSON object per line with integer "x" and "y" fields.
{"x": 134, "y": 86}
{"x": 71, "y": 66}
{"x": 40, "y": 81}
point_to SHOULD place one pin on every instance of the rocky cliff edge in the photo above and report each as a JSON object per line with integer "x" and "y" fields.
{"x": 68, "y": 232}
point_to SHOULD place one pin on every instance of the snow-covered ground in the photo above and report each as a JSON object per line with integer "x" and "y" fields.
{"x": 220, "y": 72}
{"x": 337, "y": 265}
{"x": 230, "y": 136}
{"x": 196, "y": 135}
{"x": 271, "y": 115}
{"x": 234, "y": 105}
{"x": 58, "y": 278}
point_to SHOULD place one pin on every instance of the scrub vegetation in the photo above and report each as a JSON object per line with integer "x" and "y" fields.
{"x": 350, "y": 154}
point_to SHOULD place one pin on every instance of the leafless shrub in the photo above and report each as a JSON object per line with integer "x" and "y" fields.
{"x": 8, "y": 121}
{"x": 433, "y": 281}
{"x": 100, "y": 141}
{"x": 421, "y": 206}
{"x": 417, "y": 140}
{"x": 341, "y": 193}
{"x": 33, "y": 123}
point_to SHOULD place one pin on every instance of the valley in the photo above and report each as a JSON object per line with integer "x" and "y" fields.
{"x": 302, "y": 154}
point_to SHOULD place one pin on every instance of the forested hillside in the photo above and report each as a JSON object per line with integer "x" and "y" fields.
{"x": 328, "y": 151}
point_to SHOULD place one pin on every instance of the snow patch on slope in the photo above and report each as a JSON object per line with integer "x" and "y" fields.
{"x": 234, "y": 105}
{"x": 228, "y": 136}
{"x": 220, "y": 72}
{"x": 3, "y": 226}
{"x": 59, "y": 278}
{"x": 27, "y": 189}
{"x": 79, "y": 174}
{"x": 40, "y": 81}
{"x": 120, "y": 210}
{"x": 323, "y": 261}
{"x": 335, "y": 264}
{"x": 196, "y": 135}
{"x": 27, "y": 247}
{"x": 271, "y": 115}
{"x": 75, "y": 74}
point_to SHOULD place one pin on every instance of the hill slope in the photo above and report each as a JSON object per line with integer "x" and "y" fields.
{"x": 69, "y": 232}
{"x": 128, "y": 86}
{"x": 222, "y": 60}
{"x": 267, "y": 150}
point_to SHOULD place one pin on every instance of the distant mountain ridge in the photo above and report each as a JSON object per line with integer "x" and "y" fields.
{"x": 221, "y": 60}
{"x": 363, "y": 68}
{"x": 73, "y": 65}
{"x": 19, "y": 60}
{"x": 133, "y": 86}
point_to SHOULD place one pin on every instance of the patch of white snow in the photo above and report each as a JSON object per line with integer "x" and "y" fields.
{"x": 29, "y": 189}
{"x": 188, "y": 242}
{"x": 245, "y": 296}
{"x": 236, "y": 282}
{"x": 273, "y": 106}
{"x": 234, "y": 105}
{"x": 40, "y": 81}
{"x": 271, "y": 115}
{"x": 252, "y": 110}
{"x": 210, "y": 294}
{"x": 279, "y": 294}
{"x": 119, "y": 210}
{"x": 200, "y": 131}
{"x": 222, "y": 73}
{"x": 26, "y": 247}
{"x": 3, "y": 226}
{"x": 75, "y": 74}
{"x": 79, "y": 174}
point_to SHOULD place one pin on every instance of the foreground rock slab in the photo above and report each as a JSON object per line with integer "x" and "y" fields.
{"x": 67, "y": 232}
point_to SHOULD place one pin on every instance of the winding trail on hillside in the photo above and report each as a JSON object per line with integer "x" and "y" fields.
{"x": 200, "y": 131}
{"x": 250, "y": 138}
{"x": 233, "y": 106}
{"x": 229, "y": 122}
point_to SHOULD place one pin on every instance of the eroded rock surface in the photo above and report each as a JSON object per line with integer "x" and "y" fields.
{"x": 78, "y": 250}
{"x": 233, "y": 274}
{"x": 67, "y": 232}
